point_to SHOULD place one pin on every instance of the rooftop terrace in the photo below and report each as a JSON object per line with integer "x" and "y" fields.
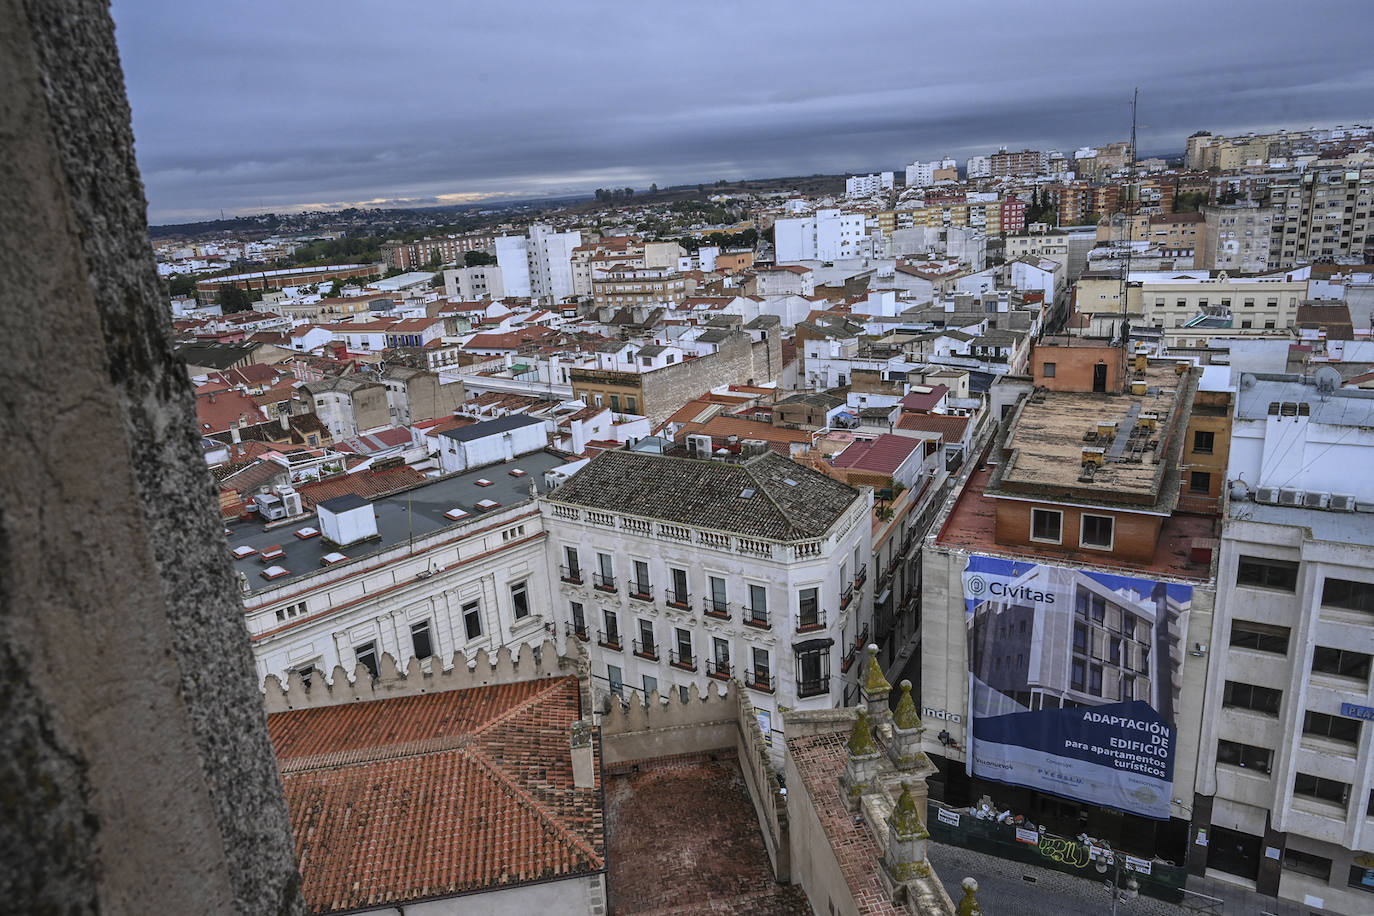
{"x": 1050, "y": 432}
{"x": 400, "y": 517}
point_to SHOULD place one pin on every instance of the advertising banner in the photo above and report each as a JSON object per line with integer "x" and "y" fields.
{"x": 1074, "y": 681}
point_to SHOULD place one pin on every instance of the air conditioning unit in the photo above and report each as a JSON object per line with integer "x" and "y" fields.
{"x": 1094, "y": 455}
{"x": 699, "y": 446}
{"x": 1316, "y": 500}
{"x": 1342, "y": 503}
{"x": 1290, "y": 497}
{"x": 1267, "y": 495}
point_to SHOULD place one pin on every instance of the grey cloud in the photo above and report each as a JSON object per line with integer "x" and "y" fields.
{"x": 283, "y": 105}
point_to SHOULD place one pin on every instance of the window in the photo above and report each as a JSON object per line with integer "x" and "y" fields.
{"x": 679, "y": 595}
{"x": 1096, "y": 532}
{"x": 758, "y": 604}
{"x": 1348, "y": 594}
{"x": 572, "y": 571}
{"x": 1337, "y": 728}
{"x": 684, "y": 647}
{"x": 617, "y": 680}
{"x": 615, "y": 402}
{"x": 808, "y": 608}
{"x": 420, "y": 640}
{"x": 1203, "y": 441}
{"x": 611, "y": 636}
{"x": 1340, "y": 662}
{"x": 1322, "y": 789}
{"x": 1047, "y": 525}
{"x": 472, "y": 620}
{"x": 1246, "y": 756}
{"x": 579, "y": 618}
{"x": 1095, "y": 680}
{"x": 760, "y": 674}
{"x": 630, "y": 403}
{"x": 720, "y": 656}
{"x": 1048, "y": 369}
{"x": 1361, "y": 878}
{"x": 650, "y": 685}
{"x": 1080, "y": 637}
{"x": 640, "y": 586}
{"x": 813, "y": 671}
{"x": 1248, "y": 696}
{"x": 1261, "y": 637}
{"x": 646, "y": 639}
{"x": 1200, "y": 482}
{"x": 605, "y": 577}
{"x": 1305, "y": 863}
{"x": 715, "y": 602}
{"x": 366, "y": 655}
{"x": 1261, "y": 572}
{"x": 520, "y": 600}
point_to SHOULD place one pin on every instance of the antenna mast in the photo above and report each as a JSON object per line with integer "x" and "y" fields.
{"x": 1130, "y": 223}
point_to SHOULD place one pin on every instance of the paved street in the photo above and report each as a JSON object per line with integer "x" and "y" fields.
{"x": 1002, "y": 889}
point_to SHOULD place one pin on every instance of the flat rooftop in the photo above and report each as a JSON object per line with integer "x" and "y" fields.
{"x": 1049, "y": 436}
{"x": 400, "y": 516}
{"x": 973, "y": 521}
{"x": 1325, "y": 524}
{"x": 683, "y": 837}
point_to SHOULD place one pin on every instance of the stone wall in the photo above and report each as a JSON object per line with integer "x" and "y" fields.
{"x": 738, "y": 361}
{"x": 136, "y": 773}
{"x": 481, "y": 671}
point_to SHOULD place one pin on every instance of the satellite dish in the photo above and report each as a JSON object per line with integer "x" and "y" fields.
{"x": 1247, "y": 381}
{"x": 1327, "y": 379}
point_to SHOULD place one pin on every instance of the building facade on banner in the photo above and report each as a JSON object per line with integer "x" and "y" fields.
{"x": 1071, "y": 568}
{"x": 1285, "y": 793}
{"x": 677, "y": 571}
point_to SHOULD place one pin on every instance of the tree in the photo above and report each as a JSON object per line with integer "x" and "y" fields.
{"x": 232, "y": 299}
{"x": 478, "y": 259}
{"x": 181, "y": 286}
{"x": 653, "y": 188}
{"x": 336, "y": 290}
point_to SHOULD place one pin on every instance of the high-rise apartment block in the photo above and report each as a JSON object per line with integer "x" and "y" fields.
{"x": 538, "y": 265}
{"x": 925, "y": 174}
{"x": 1324, "y": 215}
{"x": 1026, "y": 162}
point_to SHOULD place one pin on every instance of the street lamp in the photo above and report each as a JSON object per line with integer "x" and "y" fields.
{"x": 1120, "y": 894}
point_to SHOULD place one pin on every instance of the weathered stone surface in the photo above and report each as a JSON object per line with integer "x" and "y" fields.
{"x": 136, "y": 773}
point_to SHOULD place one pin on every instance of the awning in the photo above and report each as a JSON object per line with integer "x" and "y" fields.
{"x": 887, "y": 593}
{"x": 811, "y": 645}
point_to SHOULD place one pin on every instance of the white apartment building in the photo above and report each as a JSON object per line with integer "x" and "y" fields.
{"x": 1237, "y": 238}
{"x": 678, "y": 571}
{"x": 869, "y": 185}
{"x": 472, "y": 284}
{"x": 538, "y": 265}
{"x": 449, "y": 565}
{"x": 1285, "y": 786}
{"x": 978, "y": 167}
{"x": 827, "y": 236}
{"x": 922, "y": 174}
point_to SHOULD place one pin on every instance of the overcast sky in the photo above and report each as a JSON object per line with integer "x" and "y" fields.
{"x": 252, "y": 106}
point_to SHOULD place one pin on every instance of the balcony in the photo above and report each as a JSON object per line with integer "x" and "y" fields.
{"x": 717, "y": 609}
{"x": 846, "y": 596}
{"x": 608, "y": 640}
{"x": 861, "y": 576}
{"x": 756, "y": 617}
{"x": 680, "y": 600}
{"x": 574, "y": 629}
{"x": 813, "y": 688}
{"x": 641, "y": 591}
{"x": 603, "y": 583}
{"x": 646, "y": 650}
{"x": 809, "y": 623}
{"x": 759, "y": 680}
{"x": 718, "y": 668}
{"x": 571, "y": 574}
{"x": 685, "y": 662}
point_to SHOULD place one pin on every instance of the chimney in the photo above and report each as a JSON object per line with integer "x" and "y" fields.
{"x": 584, "y": 767}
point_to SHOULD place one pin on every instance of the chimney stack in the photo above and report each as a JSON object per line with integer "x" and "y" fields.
{"x": 584, "y": 767}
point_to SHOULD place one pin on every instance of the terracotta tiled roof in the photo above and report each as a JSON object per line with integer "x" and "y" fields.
{"x": 883, "y": 455}
{"x": 924, "y": 401}
{"x": 950, "y": 427}
{"x": 367, "y": 484}
{"x": 423, "y": 797}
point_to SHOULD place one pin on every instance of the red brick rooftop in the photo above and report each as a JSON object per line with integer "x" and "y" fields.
{"x": 971, "y": 524}
{"x": 820, "y": 759}
{"x": 414, "y": 798}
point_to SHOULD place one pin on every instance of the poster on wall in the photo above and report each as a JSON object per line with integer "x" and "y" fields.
{"x": 1074, "y": 681}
